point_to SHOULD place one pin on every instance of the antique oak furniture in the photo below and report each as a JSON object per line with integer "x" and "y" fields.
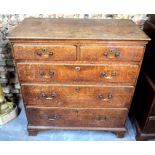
{"x": 77, "y": 73}
{"x": 143, "y": 105}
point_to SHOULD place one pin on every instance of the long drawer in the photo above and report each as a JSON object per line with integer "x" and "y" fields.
{"x": 44, "y": 52}
{"x": 82, "y": 73}
{"x": 111, "y": 53}
{"x": 76, "y": 117}
{"x": 78, "y": 96}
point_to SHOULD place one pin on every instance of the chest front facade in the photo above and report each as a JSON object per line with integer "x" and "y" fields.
{"x": 77, "y": 83}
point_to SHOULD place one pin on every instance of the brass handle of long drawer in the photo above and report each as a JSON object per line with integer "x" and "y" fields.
{"x": 52, "y": 118}
{"x": 41, "y": 72}
{"x": 48, "y": 96}
{"x": 50, "y": 73}
{"x": 110, "y": 96}
{"x": 106, "y": 76}
{"x": 100, "y": 118}
{"x": 112, "y": 53}
{"x": 105, "y": 97}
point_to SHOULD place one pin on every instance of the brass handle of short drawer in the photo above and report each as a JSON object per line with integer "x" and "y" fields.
{"x": 39, "y": 52}
{"x": 44, "y": 52}
{"x": 104, "y": 97}
{"x": 112, "y": 53}
{"x": 105, "y": 75}
{"x": 48, "y": 96}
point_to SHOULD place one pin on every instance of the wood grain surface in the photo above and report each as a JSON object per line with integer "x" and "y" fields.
{"x": 77, "y": 96}
{"x": 77, "y": 117}
{"x": 45, "y": 52}
{"x": 102, "y": 29}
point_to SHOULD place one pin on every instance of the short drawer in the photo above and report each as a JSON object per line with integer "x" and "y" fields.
{"x": 108, "y": 53}
{"x": 77, "y": 96}
{"x": 44, "y": 52}
{"x": 77, "y": 73}
{"x": 150, "y": 125}
{"x": 76, "y": 117}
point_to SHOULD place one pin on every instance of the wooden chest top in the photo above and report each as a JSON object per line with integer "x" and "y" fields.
{"x": 105, "y": 29}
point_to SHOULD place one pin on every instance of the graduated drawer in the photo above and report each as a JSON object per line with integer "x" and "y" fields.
{"x": 78, "y": 96}
{"x": 44, "y": 52}
{"x": 73, "y": 73}
{"x": 108, "y": 53}
{"x": 76, "y": 117}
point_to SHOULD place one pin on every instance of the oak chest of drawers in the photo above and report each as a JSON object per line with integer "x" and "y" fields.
{"x": 77, "y": 73}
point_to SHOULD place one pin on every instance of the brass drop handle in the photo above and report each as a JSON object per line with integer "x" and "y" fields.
{"x": 53, "y": 95}
{"x": 41, "y": 72}
{"x": 39, "y": 52}
{"x": 52, "y": 118}
{"x": 113, "y": 73}
{"x": 101, "y": 118}
{"x": 104, "y": 118}
{"x": 103, "y": 74}
{"x": 44, "y": 52}
{"x": 117, "y": 54}
{"x": 100, "y": 96}
{"x": 110, "y": 96}
{"x": 50, "y": 73}
{"x": 106, "y": 76}
{"x": 105, "y": 97}
{"x": 48, "y": 96}
{"x": 111, "y": 53}
{"x": 105, "y": 54}
{"x": 50, "y": 53}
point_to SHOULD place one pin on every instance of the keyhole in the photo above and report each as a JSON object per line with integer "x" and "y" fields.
{"x": 77, "y": 89}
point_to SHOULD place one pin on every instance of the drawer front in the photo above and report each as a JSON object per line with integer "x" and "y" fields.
{"x": 106, "y": 53}
{"x": 77, "y": 96}
{"x": 76, "y": 117}
{"x": 150, "y": 125}
{"x": 44, "y": 52}
{"x": 53, "y": 73}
